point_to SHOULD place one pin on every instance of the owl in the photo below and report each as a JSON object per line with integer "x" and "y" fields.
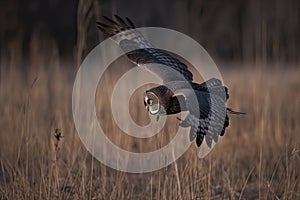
{"x": 205, "y": 102}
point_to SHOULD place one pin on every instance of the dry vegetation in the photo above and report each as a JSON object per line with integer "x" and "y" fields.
{"x": 258, "y": 157}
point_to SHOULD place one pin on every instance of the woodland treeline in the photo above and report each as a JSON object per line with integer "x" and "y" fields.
{"x": 233, "y": 30}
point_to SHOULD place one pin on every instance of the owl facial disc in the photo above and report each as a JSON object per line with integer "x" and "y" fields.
{"x": 151, "y": 103}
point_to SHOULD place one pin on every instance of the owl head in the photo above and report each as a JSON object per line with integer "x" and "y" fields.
{"x": 157, "y": 99}
{"x": 152, "y": 103}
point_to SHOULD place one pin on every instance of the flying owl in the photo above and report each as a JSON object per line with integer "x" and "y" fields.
{"x": 206, "y": 102}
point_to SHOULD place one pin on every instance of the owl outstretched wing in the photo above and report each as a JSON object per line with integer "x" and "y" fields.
{"x": 206, "y": 103}
{"x": 142, "y": 52}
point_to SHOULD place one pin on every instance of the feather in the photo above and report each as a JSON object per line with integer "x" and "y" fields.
{"x": 235, "y": 112}
{"x": 111, "y": 21}
{"x": 130, "y": 22}
{"x": 121, "y": 22}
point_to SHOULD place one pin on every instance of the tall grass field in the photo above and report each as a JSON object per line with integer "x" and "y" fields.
{"x": 258, "y": 157}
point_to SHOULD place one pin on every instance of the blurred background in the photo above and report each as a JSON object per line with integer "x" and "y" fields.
{"x": 233, "y": 30}
{"x": 256, "y": 46}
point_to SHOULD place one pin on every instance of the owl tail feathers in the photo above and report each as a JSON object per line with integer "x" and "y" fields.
{"x": 230, "y": 111}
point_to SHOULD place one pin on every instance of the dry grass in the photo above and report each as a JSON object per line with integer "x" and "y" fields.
{"x": 258, "y": 157}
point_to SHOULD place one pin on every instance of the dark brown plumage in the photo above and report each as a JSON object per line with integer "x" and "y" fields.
{"x": 172, "y": 104}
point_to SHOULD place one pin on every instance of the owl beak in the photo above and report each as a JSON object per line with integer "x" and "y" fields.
{"x": 147, "y": 107}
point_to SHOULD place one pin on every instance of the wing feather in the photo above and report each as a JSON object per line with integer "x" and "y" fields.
{"x": 142, "y": 52}
{"x": 207, "y": 114}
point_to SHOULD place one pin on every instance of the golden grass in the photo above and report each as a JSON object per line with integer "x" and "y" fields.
{"x": 259, "y": 156}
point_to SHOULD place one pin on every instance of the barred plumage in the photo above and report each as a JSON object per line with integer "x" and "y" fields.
{"x": 206, "y": 102}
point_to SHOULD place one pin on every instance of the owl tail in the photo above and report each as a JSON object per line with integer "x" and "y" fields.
{"x": 230, "y": 111}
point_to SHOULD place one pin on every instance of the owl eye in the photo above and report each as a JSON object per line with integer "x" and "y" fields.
{"x": 150, "y": 102}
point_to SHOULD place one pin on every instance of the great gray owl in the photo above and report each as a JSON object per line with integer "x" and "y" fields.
{"x": 205, "y": 102}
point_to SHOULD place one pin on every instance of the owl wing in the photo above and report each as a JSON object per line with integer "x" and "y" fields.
{"x": 142, "y": 52}
{"x": 206, "y": 104}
